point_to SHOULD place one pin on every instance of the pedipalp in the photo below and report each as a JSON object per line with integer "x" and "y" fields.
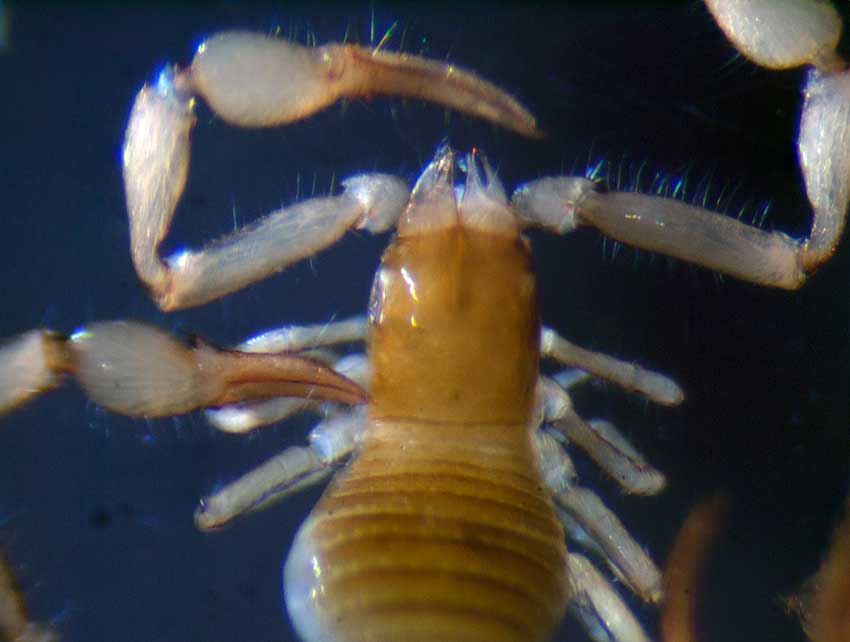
{"x": 253, "y": 80}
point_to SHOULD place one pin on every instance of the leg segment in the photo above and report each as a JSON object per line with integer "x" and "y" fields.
{"x": 599, "y": 607}
{"x": 570, "y": 377}
{"x": 156, "y": 162}
{"x": 625, "y": 556}
{"x": 245, "y": 417}
{"x": 580, "y": 507}
{"x": 609, "y": 450}
{"x": 303, "y": 337}
{"x": 295, "y": 468}
{"x": 630, "y": 376}
{"x": 600, "y": 440}
{"x": 582, "y": 512}
{"x": 666, "y": 226}
{"x": 774, "y": 34}
{"x": 589, "y": 523}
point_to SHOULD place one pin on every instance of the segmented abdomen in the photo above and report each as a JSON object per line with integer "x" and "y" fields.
{"x": 443, "y": 534}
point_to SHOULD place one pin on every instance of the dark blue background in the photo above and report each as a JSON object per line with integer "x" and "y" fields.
{"x": 96, "y": 510}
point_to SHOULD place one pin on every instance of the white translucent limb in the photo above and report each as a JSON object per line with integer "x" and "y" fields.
{"x": 156, "y": 160}
{"x": 267, "y": 246}
{"x": 292, "y": 470}
{"x": 336, "y": 437}
{"x": 571, "y": 377}
{"x": 696, "y": 235}
{"x": 579, "y": 536}
{"x": 252, "y": 80}
{"x": 554, "y": 400}
{"x": 789, "y": 33}
{"x": 824, "y": 150}
{"x": 585, "y": 511}
{"x": 246, "y": 417}
{"x": 630, "y": 376}
{"x": 355, "y": 367}
{"x": 295, "y": 468}
{"x": 613, "y": 453}
{"x": 628, "y": 559}
{"x": 551, "y": 202}
{"x": 781, "y": 33}
{"x": 600, "y": 440}
{"x": 706, "y": 238}
{"x": 553, "y": 462}
{"x": 155, "y": 165}
{"x": 669, "y": 227}
{"x": 598, "y": 605}
{"x": 300, "y": 337}
{"x": 138, "y": 370}
{"x": 30, "y": 364}
{"x": 249, "y": 416}
{"x": 14, "y": 623}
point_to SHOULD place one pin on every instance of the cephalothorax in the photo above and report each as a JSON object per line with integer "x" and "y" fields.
{"x": 449, "y": 522}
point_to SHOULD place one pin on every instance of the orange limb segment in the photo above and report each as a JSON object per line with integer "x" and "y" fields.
{"x": 824, "y": 602}
{"x": 685, "y": 568}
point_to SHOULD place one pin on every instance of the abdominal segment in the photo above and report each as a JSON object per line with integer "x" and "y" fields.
{"x": 430, "y": 538}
